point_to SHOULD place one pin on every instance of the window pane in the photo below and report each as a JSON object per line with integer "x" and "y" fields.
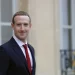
{"x": 6, "y": 33}
{"x": 66, "y": 12}
{"x": 6, "y": 10}
{"x": 67, "y": 39}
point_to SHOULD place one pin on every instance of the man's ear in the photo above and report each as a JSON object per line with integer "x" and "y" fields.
{"x": 30, "y": 25}
{"x": 12, "y": 25}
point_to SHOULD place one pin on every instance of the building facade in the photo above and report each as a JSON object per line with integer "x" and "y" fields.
{"x": 45, "y": 32}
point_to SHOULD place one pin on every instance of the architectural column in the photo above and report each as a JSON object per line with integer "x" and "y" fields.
{"x": 45, "y": 35}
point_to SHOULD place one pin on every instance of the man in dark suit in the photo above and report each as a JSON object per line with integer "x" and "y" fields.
{"x": 16, "y": 55}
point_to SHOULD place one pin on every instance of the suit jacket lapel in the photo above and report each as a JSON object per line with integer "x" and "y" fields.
{"x": 18, "y": 51}
{"x": 20, "y": 54}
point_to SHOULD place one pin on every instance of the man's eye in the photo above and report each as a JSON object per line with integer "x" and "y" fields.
{"x": 25, "y": 24}
{"x": 18, "y": 24}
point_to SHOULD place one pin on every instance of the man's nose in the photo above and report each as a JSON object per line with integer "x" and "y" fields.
{"x": 22, "y": 27}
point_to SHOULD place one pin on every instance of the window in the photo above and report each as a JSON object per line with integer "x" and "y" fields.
{"x": 67, "y": 36}
{"x": 7, "y": 8}
{"x": 66, "y": 24}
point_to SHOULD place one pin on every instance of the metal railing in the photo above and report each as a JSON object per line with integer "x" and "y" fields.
{"x": 67, "y": 59}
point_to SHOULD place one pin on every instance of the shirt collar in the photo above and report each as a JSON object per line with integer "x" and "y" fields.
{"x": 19, "y": 42}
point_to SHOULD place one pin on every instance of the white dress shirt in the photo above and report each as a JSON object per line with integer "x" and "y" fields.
{"x": 20, "y": 43}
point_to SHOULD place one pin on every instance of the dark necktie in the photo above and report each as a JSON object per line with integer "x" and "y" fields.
{"x": 27, "y": 57}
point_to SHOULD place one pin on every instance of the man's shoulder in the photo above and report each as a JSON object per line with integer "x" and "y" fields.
{"x": 31, "y": 48}
{"x": 29, "y": 45}
{"x": 6, "y": 44}
{"x": 9, "y": 42}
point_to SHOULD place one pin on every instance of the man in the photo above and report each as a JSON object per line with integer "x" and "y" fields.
{"x": 16, "y": 55}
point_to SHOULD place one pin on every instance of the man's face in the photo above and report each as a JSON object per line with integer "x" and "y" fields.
{"x": 21, "y": 27}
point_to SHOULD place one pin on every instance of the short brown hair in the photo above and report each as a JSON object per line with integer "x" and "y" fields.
{"x": 20, "y": 13}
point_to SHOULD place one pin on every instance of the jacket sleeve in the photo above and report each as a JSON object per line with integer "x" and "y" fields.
{"x": 4, "y": 61}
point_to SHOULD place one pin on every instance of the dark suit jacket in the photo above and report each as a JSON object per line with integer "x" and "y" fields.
{"x": 12, "y": 60}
